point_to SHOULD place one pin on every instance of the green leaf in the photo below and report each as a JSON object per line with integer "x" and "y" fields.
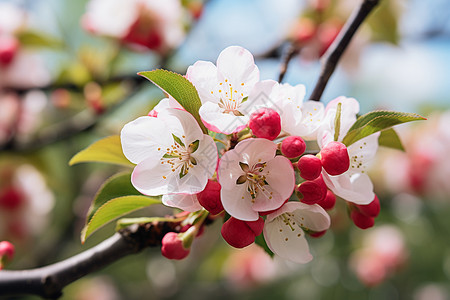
{"x": 125, "y": 222}
{"x": 260, "y": 241}
{"x": 107, "y": 150}
{"x": 384, "y": 22}
{"x": 376, "y": 121}
{"x": 389, "y": 138}
{"x": 180, "y": 89}
{"x": 116, "y": 186}
{"x": 35, "y": 39}
{"x": 113, "y": 209}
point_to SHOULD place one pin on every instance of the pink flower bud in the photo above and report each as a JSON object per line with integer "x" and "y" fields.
{"x": 240, "y": 234}
{"x": 293, "y": 146}
{"x": 329, "y": 201}
{"x": 372, "y": 209}
{"x": 265, "y": 123}
{"x": 6, "y": 252}
{"x": 309, "y": 166}
{"x": 312, "y": 191}
{"x": 209, "y": 198}
{"x": 361, "y": 220}
{"x": 8, "y": 49}
{"x": 172, "y": 246}
{"x": 335, "y": 159}
{"x": 11, "y": 198}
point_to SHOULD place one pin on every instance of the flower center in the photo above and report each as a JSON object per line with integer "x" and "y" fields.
{"x": 178, "y": 156}
{"x": 230, "y": 99}
{"x": 292, "y": 225}
{"x": 254, "y": 178}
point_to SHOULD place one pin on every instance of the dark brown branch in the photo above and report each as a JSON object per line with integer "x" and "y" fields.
{"x": 331, "y": 58}
{"x": 291, "y": 51}
{"x": 48, "y": 282}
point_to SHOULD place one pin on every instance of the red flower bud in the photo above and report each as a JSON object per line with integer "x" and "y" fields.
{"x": 317, "y": 234}
{"x": 329, "y": 201}
{"x": 8, "y": 49}
{"x": 11, "y": 198}
{"x": 240, "y": 234}
{"x": 209, "y": 198}
{"x": 312, "y": 191}
{"x": 172, "y": 246}
{"x": 293, "y": 146}
{"x": 265, "y": 123}
{"x": 309, "y": 166}
{"x": 6, "y": 252}
{"x": 361, "y": 220}
{"x": 372, "y": 209}
{"x": 335, "y": 159}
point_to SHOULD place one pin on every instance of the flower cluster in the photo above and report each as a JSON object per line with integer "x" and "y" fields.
{"x": 280, "y": 164}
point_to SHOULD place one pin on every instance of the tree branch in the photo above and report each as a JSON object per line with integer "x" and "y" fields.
{"x": 48, "y": 282}
{"x": 331, "y": 58}
{"x": 291, "y": 51}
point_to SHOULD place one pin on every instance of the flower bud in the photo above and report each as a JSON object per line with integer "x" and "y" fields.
{"x": 312, "y": 191}
{"x": 8, "y": 49}
{"x": 172, "y": 246}
{"x": 293, "y": 146}
{"x": 361, "y": 220}
{"x": 317, "y": 234}
{"x": 240, "y": 234}
{"x": 265, "y": 123}
{"x": 335, "y": 159}
{"x": 372, "y": 209}
{"x": 329, "y": 201}
{"x": 209, "y": 198}
{"x": 6, "y": 252}
{"x": 309, "y": 166}
{"x": 11, "y": 198}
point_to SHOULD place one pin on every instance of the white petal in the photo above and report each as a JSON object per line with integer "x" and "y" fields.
{"x": 150, "y": 177}
{"x": 353, "y": 187}
{"x": 267, "y": 198}
{"x": 181, "y": 123}
{"x": 206, "y": 156}
{"x": 142, "y": 137}
{"x": 285, "y": 242}
{"x": 229, "y": 169}
{"x": 363, "y": 152}
{"x": 238, "y": 203}
{"x": 281, "y": 179}
{"x": 203, "y": 75}
{"x": 182, "y": 201}
{"x": 261, "y": 96}
{"x": 216, "y": 120}
{"x": 237, "y": 65}
{"x": 253, "y": 151}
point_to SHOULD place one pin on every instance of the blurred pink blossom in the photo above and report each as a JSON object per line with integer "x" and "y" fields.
{"x": 382, "y": 253}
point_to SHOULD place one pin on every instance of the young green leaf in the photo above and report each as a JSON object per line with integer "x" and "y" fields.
{"x": 389, "y": 138}
{"x": 39, "y": 40}
{"x": 113, "y": 209}
{"x": 116, "y": 186}
{"x": 180, "y": 89}
{"x": 376, "y": 121}
{"x": 107, "y": 150}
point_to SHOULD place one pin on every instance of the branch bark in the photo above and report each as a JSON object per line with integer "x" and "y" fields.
{"x": 48, "y": 282}
{"x": 331, "y": 58}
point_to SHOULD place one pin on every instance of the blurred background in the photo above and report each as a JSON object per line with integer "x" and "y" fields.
{"x": 68, "y": 78}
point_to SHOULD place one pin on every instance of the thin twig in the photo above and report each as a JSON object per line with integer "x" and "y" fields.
{"x": 48, "y": 282}
{"x": 291, "y": 51}
{"x": 331, "y": 58}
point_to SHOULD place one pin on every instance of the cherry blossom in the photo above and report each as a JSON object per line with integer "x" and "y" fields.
{"x": 149, "y": 23}
{"x": 224, "y": 88}
{"x": 284, "y": 229}
{"x": 354, "y": 185}
{"x": 253, "y": 179}
{"x": 172, "y": 154}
